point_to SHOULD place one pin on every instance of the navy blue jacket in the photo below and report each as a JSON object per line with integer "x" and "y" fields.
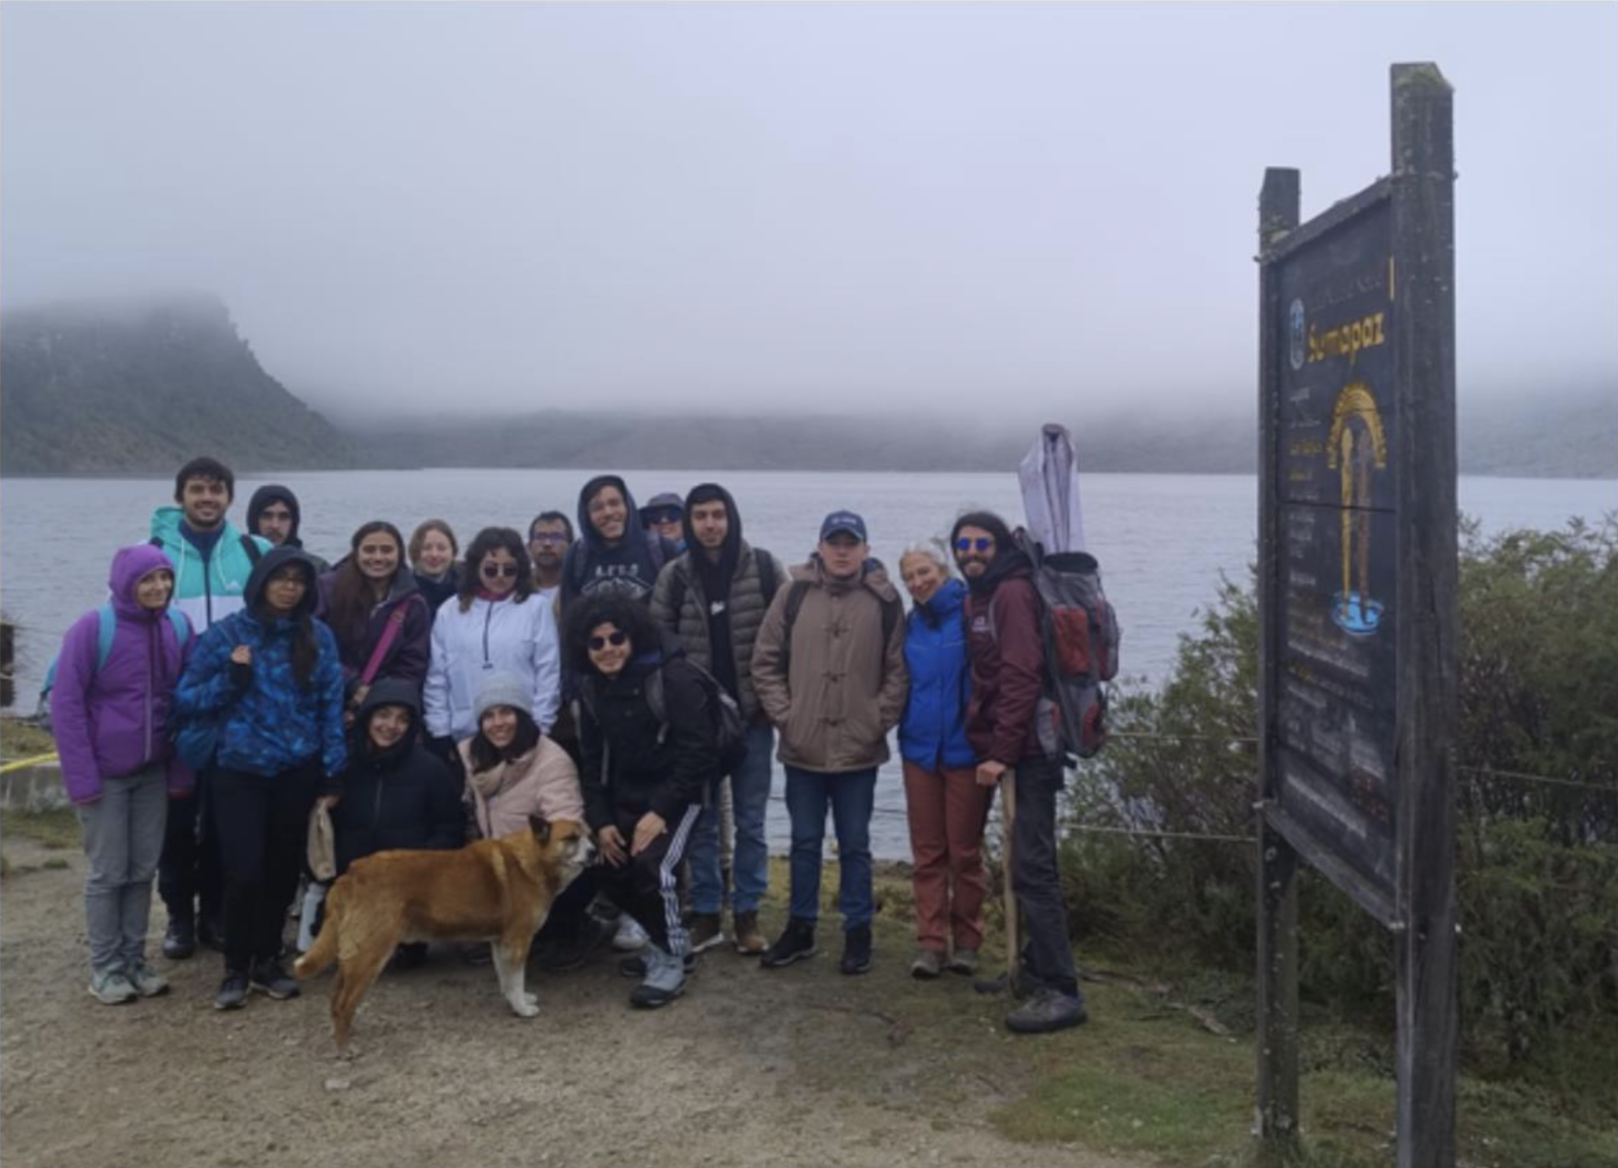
{"x": 932, "y": 731}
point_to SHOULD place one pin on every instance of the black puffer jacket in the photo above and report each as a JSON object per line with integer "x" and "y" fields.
{"x": 402, "y": 797}
{"x": 650, "y": 766}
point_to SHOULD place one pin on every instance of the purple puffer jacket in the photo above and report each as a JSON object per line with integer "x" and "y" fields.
{"x": 112, "y": 721}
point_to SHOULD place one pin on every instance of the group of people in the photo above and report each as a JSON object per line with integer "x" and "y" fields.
{"x": 635, "y": 673}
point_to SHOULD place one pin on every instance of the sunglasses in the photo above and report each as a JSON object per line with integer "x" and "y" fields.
{"x": 982, "y": 543}
{"x": 495, "y": 571}
{"x": 615, "y": 639}
{"x": 661, "y": 516}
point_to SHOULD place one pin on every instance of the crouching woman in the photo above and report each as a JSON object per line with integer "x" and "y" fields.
{"x": 645, "y": 762}
{"x": 271, "y": 678}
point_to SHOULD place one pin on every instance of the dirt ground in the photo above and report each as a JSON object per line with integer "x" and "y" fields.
{"x": 793, "y": 1066}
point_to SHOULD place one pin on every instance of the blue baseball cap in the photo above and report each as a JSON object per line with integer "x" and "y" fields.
{"x": 845, "y": 521}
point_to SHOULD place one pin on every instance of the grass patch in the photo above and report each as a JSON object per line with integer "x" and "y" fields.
{"x": 55, "y": 864}
{"x": 57, "y": 827}
{"x": 22, "y": 739}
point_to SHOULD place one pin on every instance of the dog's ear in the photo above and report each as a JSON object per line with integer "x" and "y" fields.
{"x": 541, "y": 828}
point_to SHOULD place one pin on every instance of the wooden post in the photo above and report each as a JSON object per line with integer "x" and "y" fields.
{"x": 1424, "y": 239}
{"x": 1008, "y": 818}
{"x": 1277, "y": 1119}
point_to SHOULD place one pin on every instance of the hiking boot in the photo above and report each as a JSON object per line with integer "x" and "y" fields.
{"x": 146, "y": 980}
{"x": 929, "y": 963}
{"x": 705, "y": 931}
{"x": 112, "y": 988}
{"x": 750, "y": 941}
{"x": 232, "y": 993}
{"x": 269, "y": 978}
{"x": 1045, "y": 1010}
{"x": 629, "y": 936}
{"x": 856, "y": 950}
{"x": 797, "y": 941}
{"x": 963, "y": 961}
{"x": 665, "y": 980}
{"x": 180, "y": 941}
{"x": 565, "y": 954}
{"x": 636, "y": 966}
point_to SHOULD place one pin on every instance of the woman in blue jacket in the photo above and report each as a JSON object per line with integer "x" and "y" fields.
{"x": 271, "y": 678}
{"x": 947, "y": 808}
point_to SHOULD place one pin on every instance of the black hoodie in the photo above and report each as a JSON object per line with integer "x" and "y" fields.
{"x": 276, "y": 493}
{"x": 401, "y": 797}
{"x": 629, "y": 566}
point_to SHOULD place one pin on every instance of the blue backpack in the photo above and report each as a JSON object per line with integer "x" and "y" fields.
{"x": 106, "y": 626}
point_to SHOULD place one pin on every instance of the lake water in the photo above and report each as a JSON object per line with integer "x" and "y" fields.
{"x": 1163, "y": 540}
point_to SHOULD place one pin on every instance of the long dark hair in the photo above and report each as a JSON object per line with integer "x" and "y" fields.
{"x": 350, "y": 590}
{"x": 488, "y": 540}
{"x": 630, "y": 616}
{"x": 486, "y": 755}
{"x": 305, "y": 649}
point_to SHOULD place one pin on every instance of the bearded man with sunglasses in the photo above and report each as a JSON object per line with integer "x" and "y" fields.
{"x": 1008, "y": 671}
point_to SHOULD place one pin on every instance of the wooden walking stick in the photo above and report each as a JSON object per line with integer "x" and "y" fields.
{"x": 1008, "y": 816}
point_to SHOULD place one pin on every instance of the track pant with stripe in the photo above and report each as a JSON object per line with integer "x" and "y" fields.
{"x": 647, "y": 886}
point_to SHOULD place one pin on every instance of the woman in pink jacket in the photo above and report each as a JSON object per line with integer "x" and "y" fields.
{"x": 513, "y": 771}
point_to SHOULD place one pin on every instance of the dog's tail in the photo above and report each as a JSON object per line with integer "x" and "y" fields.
{"x": 324, "y": 951}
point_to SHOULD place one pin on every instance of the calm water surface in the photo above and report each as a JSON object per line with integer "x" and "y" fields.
{"x": 1163, "y": 540}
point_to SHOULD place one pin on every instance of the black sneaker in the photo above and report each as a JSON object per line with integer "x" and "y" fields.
{"x": 409, "y": 955}
{"x": 565, "y": 954}
{"x": 269, "y": 978}
{"x": 232, "y": 993}
{"x": 798, "y": 941}
{"x": 857, "y": 950}
{"x": 636, "y": 966}
{"x": 180, "y": 941}
{"x": 1045, "y": 1010}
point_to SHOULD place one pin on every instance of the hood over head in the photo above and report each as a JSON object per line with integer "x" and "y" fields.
{"x": 391, "y": 691}
{"x": 632, "y": 522}
{"x": 275, "y": 558}
{"x": 708, "y": 493}
{"x": 129, "y": 564}
{"x": 274, "y": 493}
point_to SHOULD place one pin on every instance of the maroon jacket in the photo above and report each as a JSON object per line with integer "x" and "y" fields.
{"x": 1003, "y": 643}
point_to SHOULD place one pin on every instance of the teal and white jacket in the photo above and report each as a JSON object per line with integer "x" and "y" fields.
{"x": 206, "y": 590}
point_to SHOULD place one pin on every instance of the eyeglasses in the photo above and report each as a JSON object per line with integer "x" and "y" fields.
{"x": 495, "y": 571}
{"x": 982, "y": 543}
{"x": 547, "y": 537}
{"x": 615, "y": 638}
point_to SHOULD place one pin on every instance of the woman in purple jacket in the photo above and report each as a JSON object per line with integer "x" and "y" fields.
{"x": 117, "y": 765}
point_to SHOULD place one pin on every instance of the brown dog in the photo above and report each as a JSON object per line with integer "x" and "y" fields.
{"x": 499, "y": 890}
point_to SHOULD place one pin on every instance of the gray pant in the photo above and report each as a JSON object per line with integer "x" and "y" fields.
{"x": 123, "y": 837}
{"x": 1047, "y": 953}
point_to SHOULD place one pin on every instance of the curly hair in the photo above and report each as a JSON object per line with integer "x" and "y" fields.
{"x": 493, "y": 539}
{"x": 631, "y": 616}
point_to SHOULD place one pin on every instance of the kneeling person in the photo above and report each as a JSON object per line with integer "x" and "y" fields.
{"x": 643, "y": 770}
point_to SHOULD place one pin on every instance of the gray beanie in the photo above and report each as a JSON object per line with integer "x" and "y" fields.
{"x": 501, "y": 689}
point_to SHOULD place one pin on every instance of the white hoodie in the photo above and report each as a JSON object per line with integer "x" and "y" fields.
{"x": 490, "y": 637}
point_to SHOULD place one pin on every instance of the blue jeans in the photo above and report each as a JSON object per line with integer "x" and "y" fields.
{"x": 852, "y": 794}
{"x": 750, "y": 795}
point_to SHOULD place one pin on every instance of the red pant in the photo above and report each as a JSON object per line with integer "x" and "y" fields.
{"x": 947, "y": 811}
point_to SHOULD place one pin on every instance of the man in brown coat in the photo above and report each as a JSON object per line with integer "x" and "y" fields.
{"x": 828, "y": 667}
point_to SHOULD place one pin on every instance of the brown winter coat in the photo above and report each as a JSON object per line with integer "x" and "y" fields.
{"x": 843, "y": 689}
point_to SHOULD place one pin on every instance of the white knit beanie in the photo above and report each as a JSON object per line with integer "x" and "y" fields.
{"x": 501, "y": 689}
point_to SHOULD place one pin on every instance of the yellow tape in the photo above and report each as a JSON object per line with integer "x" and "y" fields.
{"x": 17, "y": 764}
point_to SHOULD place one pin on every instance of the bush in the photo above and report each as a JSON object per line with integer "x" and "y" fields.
{"x": 1537, "y": 863}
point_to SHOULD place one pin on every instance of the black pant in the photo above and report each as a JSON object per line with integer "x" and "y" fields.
{"x": 646, "y": 886}
{"x": 1047, "y": 953}
{"x": 188, "y": 869}
{"x": 262, "y": 822}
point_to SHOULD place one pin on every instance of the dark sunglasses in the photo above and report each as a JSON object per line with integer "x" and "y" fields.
{"x": 982, "y": 543}
{"x": 669, "y": 516}
{"x": 495, "y": 571}
{"x": 615, "y": 638}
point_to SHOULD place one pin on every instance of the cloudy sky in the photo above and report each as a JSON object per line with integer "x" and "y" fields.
{"x": 786, "y": 206}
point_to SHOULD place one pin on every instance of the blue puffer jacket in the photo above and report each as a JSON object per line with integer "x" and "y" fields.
{"x": 271, "y": 724}
{"x": 933, "y": 729}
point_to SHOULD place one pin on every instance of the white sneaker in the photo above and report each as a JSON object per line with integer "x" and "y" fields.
{"x": 630, "y": 936}
{"x": 147, "y": 981}
{"x": 112, "y": 989}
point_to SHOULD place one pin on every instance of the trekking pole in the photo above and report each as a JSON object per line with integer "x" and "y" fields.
{"x": 1008, "y": 816}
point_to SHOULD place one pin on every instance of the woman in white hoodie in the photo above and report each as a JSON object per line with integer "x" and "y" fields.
{"x": 495, "y": 624}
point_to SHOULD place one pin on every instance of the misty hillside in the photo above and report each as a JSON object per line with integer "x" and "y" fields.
{"x": 141, "y": 387}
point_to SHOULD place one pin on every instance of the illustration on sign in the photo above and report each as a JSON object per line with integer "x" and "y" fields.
{"x": 1356, "y": 447}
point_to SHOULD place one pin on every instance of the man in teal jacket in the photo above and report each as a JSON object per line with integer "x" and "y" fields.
{"x": 212, "y": 562}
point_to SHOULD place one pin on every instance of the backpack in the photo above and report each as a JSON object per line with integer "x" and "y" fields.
{"x": 730, "y": 727}
{"x": 106, "y": 626}
{"x": 1079, "y": 629}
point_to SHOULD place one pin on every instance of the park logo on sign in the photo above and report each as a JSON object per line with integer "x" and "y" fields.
{"x": 1296, "y": 333}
